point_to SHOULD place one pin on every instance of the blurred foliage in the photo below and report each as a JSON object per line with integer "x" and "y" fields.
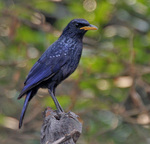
{"x": 109, "y": 90}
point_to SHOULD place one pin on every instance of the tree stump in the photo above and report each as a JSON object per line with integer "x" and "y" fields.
{"x": 62, "y": 128}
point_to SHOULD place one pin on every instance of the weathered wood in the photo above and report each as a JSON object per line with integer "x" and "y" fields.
{"x": 62, "y": 128}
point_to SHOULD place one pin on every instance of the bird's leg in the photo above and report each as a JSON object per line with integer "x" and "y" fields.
{"x": 59, "y": 108}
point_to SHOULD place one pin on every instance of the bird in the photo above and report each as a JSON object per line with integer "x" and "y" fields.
{"x": 58, "y": 62}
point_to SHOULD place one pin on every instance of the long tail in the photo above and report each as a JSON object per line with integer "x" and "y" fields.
{"x": 27, "y": 99}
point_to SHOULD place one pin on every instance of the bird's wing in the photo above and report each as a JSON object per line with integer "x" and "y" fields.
{"x": 43, "y": 69}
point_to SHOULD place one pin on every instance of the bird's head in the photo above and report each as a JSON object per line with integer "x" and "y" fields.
{"x": 78, "y": 27}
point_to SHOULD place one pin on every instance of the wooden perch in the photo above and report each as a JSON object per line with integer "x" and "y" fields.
{"x": 62, "y": 128}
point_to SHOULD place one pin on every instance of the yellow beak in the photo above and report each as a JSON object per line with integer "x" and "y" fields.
{"x": 90, "y": 27}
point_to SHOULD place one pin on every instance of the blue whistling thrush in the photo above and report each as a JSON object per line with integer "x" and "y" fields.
{"x": 58, "y": 62}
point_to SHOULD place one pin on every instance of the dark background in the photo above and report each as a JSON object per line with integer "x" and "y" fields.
{"x": 110, "y": 90}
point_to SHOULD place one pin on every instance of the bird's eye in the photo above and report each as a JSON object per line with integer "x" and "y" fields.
{"x": 77, "y": 25}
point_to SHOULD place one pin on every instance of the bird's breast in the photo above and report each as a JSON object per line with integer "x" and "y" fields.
{"x": 73, "y": 61}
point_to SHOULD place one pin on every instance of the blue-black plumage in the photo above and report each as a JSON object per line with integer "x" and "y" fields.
{"x": 58, "y": 62}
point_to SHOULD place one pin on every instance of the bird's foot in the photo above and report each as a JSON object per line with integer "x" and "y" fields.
{"x": 58, "y": 114}
{"x": 60, "y": 109}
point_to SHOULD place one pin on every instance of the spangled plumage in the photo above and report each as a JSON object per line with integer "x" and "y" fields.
{"x": 56, "y": 63}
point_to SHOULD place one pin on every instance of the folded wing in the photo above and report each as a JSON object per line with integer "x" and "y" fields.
{"x": 46, "y": 67}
